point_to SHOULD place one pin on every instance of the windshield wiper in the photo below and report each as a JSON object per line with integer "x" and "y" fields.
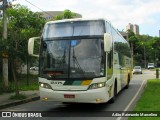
{"x": 75, "y": 62}
{"x": 62, "y": 60}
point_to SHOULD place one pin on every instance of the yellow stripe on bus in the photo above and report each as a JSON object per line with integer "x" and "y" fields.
{"x": 86, "y": 82}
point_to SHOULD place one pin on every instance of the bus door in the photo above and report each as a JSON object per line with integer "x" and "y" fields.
{"x": 119, "y": 71}
{"x": 123, "y": 70}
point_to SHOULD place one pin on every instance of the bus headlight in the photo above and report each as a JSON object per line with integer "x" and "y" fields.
{"x": 97, "y": 85}
{"x": 45, "y": 85}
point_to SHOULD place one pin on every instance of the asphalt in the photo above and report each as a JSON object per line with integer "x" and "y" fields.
{"x": 5, "y": 102}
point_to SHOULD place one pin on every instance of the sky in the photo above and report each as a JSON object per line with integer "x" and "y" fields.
{"x": 145, "y": 13}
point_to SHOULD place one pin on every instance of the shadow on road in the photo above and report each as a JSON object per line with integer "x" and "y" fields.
{"x": 79, "y": 110}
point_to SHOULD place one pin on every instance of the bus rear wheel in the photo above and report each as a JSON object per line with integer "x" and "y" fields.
{"x": 128, "y": 81}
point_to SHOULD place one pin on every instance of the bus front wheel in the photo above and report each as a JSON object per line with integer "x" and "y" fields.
{"x": 114, "y": 93}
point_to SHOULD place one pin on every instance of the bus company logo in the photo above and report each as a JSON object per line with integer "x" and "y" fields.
{"x": 6, "y": 114}
{"x": 57, "y": 82}
{"x": 21, "y": 114}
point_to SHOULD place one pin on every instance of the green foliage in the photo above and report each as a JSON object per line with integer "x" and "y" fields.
{"x": 33, "y": 82}
{"x": 130, "y": 33}
{"x": 144, "y": 46}
{"x": 67, "y": 14}
{"x": 18, "y": 97}
{"x": 9, "y": 90}
{"x": 21, "y": 17}
{"x": 122, "y": 48}
{"x": 22, "y": 25}
{"x": 34, "y": 86}
{"x": 22, "y": 80}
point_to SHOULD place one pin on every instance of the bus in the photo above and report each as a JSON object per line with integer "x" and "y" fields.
{"x": 82, "y": 61}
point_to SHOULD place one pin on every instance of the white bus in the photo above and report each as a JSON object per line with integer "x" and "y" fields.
{"x": 82, "y": 60}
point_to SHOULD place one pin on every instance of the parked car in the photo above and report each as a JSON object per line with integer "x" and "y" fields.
{"x": 34, "y": 68}
{"x": 137, "y": 70}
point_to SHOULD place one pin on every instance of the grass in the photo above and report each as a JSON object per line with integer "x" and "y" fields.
{"x": 18, "y": 97}
{"x": 22, "y": 81}
{"x": 150, "y": 100}
{"x": 33, "y": 83}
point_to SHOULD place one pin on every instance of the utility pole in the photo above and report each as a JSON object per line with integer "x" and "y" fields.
{"x": 132, "y": 54}
{"x": 5, "y": 54}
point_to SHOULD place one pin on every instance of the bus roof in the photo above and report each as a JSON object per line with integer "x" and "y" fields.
{"x": 75, "y": 19}
{"x": 84, "y": 19}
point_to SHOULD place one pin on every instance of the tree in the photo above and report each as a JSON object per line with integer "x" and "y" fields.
{"x": 130, "y": 33}
{"x": 67, "y": 14}
{"x": 156, "y": 49}
{"x": 22, "y": 24}
{"x": 145, "y": 48}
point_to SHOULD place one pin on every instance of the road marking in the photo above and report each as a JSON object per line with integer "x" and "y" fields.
{"x": 133, "y": 99}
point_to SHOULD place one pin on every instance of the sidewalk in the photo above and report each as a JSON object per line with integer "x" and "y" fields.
{"x": 5, "y": 102}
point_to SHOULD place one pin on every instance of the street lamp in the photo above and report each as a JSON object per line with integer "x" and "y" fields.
{"x": 154, "y": 56}
{"x": 144, "y": 52}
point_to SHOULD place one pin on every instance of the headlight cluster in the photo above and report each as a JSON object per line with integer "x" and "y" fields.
{"x": 97, "y": 85}
{"x": 44, "y": 85}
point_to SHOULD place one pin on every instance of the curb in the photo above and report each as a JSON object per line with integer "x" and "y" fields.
{"x": 19, "y": 102}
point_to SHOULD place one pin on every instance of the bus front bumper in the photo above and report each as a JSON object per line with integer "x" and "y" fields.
{"x": 100, "y": 95}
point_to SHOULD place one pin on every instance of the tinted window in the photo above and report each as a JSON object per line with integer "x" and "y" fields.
{"x": 73, "y": 28}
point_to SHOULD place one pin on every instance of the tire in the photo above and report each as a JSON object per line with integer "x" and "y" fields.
{"x": 112, "y": 100}
{"x": 128, "y": 81}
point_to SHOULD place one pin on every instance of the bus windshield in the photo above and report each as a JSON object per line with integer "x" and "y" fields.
{"x": 82, "y": 58}
{"x": 72, "y": 50}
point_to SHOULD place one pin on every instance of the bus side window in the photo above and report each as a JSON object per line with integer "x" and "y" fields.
{"x": 108, "y": 29}
{"x": 110, "y": 55}
{"x": 110, "y": 65}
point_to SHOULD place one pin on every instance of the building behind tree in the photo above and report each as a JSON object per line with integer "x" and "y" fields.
{"x": 134, "y": 28}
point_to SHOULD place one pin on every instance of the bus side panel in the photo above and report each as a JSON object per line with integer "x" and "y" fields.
{"x": 116, "y": 71}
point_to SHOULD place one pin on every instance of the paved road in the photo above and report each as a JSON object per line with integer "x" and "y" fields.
{"x": 125, "y": 101}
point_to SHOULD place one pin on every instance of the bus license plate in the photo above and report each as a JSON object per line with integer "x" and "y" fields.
{"x": 69, "y": 96}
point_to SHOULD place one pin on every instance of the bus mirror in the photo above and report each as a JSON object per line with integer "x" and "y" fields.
{"x": 107, "y": 42}
{"x": 33, "y": 46}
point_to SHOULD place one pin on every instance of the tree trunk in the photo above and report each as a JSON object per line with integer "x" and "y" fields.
{"x": 28, "y": 72}
{"x": 14, "y": 77}
{"x": 5, "y": 60}
{"x": 5, "y": 74}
